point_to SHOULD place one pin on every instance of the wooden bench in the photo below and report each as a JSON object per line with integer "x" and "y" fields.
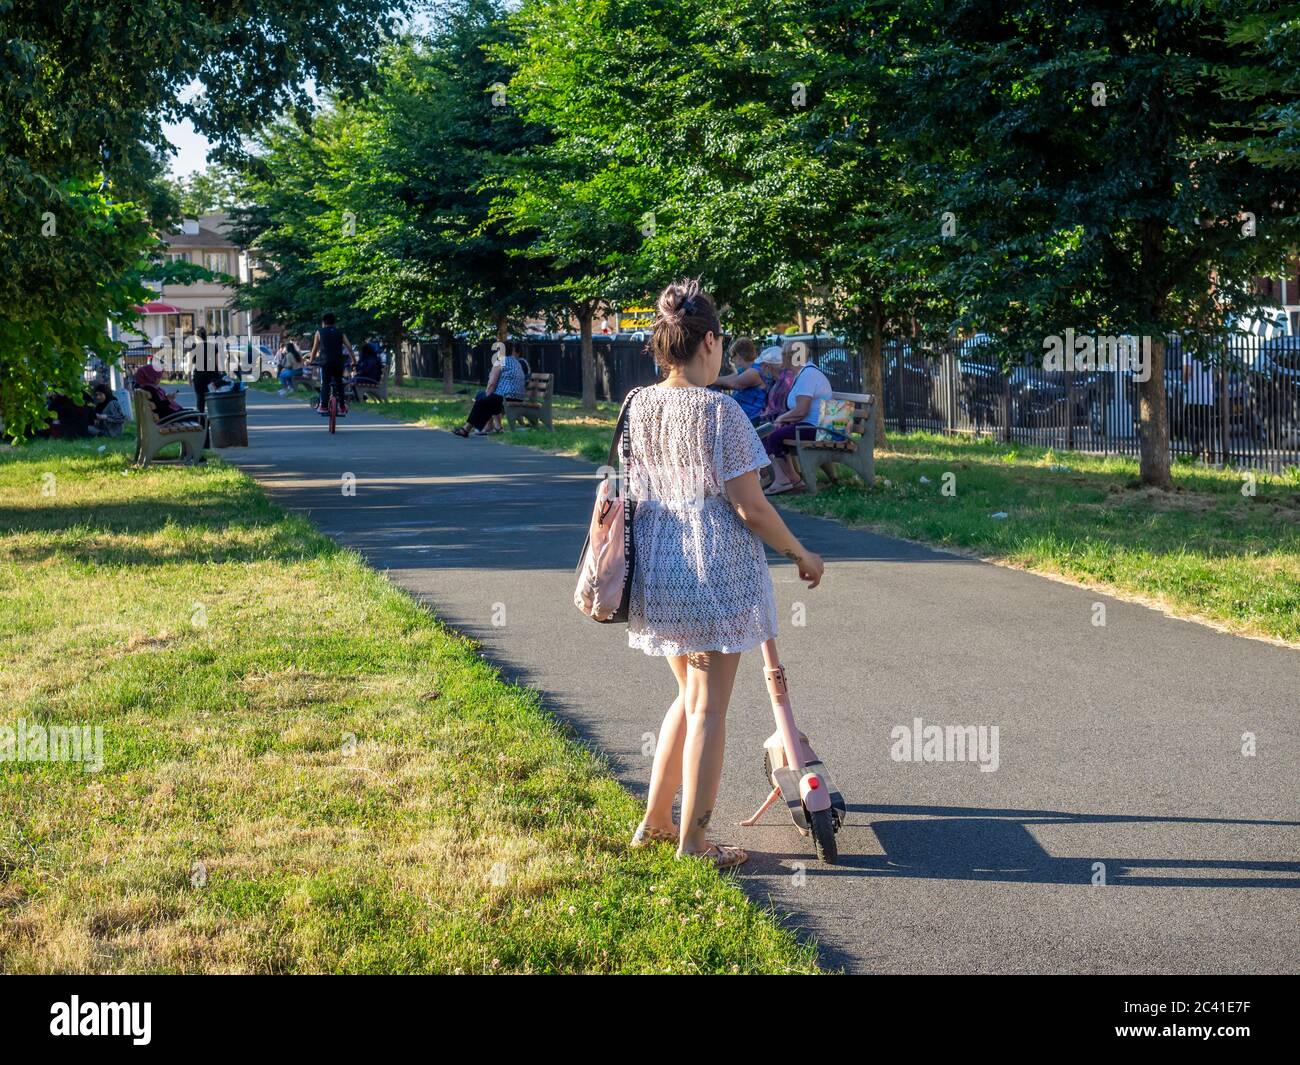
{"x": 857, "y": 452}
{"x": 535, "y": 407}
{"x": 152, "y": 436}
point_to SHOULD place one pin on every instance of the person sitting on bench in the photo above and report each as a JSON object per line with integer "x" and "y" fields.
{"x": 506, "y": 381}
{"x": 370, "y": 367}
{"x": 166, "y": 409}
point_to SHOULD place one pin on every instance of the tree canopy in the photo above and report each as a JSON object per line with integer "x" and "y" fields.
{"x": 85, "y": 88}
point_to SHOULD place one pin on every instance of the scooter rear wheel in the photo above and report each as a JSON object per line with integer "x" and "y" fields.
{"x": 822, "y": 824}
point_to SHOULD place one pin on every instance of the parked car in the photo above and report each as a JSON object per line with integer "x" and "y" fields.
{"x": 1275, "y": 392}
{"x": 257, "y": 364}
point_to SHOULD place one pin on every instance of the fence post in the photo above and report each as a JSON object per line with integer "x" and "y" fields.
{"x": 949, "y": 389}
{"x": 900, "y": 401}
{"x": 1006, "y": 407}
{"x": 1069, "y": 409}
{"x": 1225, "y": 415}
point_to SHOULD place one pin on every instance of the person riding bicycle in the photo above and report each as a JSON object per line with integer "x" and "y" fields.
{"x": 332, "y": 350}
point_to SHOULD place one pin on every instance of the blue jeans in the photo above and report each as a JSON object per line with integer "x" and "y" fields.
{"x": 286, "y": 376}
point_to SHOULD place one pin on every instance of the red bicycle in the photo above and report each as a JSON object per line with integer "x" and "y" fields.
{"x": 334, "y": 409}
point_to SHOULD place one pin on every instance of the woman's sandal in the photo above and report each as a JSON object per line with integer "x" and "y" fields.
{"x": 460, "y": 431}
{"x": 796, "y": 486}
{"x": 645, "y": 836}
{"x": 721, "y": 855}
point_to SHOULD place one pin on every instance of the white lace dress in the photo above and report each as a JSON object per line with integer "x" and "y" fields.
{"x": 701, "y": 581}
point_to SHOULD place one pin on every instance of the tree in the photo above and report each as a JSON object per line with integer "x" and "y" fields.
{"x": 83, "y": 98}
{"x": 215, "y": 188}
{"x": 283, "y": 225}
{"x": 582, "y": 205}
{"x": 674, "y": 163}
{"x": 1081, "y": 152}
{"x": 1266, "y": 75}
{"x": 390, "y": 197}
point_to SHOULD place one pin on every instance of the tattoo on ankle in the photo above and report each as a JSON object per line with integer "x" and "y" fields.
{"x": 703, "y": 820}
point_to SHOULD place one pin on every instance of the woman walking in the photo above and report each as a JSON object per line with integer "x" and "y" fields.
{"x": 701, "y": 593}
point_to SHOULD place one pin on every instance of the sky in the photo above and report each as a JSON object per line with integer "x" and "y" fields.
{"x": 192, "y": 149}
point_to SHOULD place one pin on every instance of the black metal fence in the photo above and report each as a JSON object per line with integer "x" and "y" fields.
{"x": 621, "y": 365}
{"x": 1239, "y": 405}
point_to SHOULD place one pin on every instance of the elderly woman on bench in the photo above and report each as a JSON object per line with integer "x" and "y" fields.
{"x": 507, "y": 381}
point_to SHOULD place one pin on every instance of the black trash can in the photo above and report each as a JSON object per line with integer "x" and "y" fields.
{"x": 227, "y": 419}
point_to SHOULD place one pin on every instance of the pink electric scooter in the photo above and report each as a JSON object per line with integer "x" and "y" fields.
{"x": 795, "y": 772}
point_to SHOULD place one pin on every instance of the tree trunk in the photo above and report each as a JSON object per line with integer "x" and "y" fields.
{"x": 874, "y": 364}
{"x": 447, "y": 356}
{"x": 585, "y": 313}
{"x": 503, "y": 327}
{"x": 1153, "y": 419}
{"x": 1153, "y": 410}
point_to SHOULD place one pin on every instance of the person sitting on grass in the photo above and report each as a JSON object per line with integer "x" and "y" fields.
{"x": 506, "y": 381}
{"x": 291, "y": 367}
{"x": 109, "y": 416}
{"x": 748, "y": 385}
{"x": 72, "y": 418}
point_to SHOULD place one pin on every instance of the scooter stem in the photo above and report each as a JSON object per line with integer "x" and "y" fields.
{"x": 781, "y": 708}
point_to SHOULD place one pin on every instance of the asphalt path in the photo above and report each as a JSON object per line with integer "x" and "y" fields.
{"x": 1122, "y": 829}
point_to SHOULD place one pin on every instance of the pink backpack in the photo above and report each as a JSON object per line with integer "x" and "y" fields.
{"x": 609, "y": 556}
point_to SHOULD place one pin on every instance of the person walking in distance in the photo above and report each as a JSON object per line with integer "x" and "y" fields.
{"x": 332, "y": 349}
{"x": 701, "y": 592}
{"x": 207, "y": 369}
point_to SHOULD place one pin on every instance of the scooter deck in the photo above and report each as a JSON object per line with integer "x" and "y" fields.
{"x": 785, "y": 779}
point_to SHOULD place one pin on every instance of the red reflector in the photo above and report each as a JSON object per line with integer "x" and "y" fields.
{"x": 813, "y": 782}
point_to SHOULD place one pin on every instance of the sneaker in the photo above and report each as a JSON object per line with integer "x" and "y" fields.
{"x": 283, "y": 392}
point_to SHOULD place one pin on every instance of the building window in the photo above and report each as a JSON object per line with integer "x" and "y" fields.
{"x": 218, "y": 261}
{"x": 218, "y": 320}
{"x": 177, "y": 256}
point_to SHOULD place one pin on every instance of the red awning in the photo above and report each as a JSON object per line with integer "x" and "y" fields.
{"x": 157, "y": 308}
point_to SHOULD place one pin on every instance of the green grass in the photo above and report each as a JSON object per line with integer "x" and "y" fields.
{"x": 304, "y": 771}
{"x": 1205, "y": 551}
{"x": 421, "y": 401}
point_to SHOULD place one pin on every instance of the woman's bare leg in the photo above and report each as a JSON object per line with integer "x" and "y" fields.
{"x": 709, "y": 679}
{"x": 666, "y": 773}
